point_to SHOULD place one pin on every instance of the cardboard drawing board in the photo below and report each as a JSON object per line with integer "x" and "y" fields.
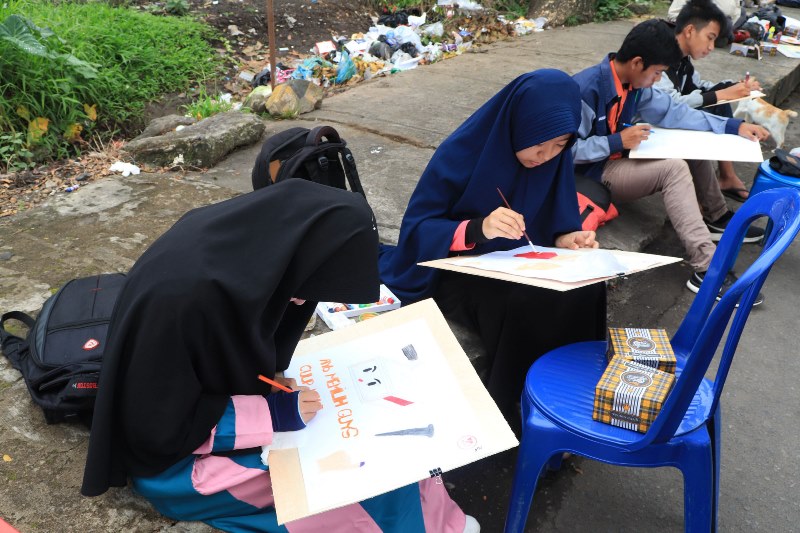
{"x": 664, "y": 143}
{"x": 401, "y": 403}
{"x": 643, "y": 262}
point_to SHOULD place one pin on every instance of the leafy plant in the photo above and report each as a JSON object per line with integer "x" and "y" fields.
{"x": 14, "y": 154}
{"x": 30, "y": 39}
{"x": 206, "y": 106}
{"x": 89, "y": 73}
{"x": 393, "y": 6}
{"x": 514, "y": 8}
{"x": 612, "y": 10}
{"x": 177, "y": 7}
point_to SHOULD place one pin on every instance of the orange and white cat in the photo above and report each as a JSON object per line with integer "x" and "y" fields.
{"x": 767, "y": 115}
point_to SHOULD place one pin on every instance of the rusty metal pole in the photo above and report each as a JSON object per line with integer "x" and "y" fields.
{"x": 272, "y": 44}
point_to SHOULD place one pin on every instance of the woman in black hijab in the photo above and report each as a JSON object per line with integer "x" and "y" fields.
{"x": 204, "y": 311}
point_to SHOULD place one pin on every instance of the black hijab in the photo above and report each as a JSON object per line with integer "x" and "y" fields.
{"x": 206, "y": 309}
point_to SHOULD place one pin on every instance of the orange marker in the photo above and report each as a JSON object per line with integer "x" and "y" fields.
{"x": 274, "y": 383}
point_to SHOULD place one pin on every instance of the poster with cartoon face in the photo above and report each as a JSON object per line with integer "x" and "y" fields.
{"x": 394, "y": 410}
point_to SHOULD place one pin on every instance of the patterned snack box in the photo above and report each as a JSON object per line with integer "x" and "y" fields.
{"x": 630, "y": 395}
{"x": 649, "y": 347}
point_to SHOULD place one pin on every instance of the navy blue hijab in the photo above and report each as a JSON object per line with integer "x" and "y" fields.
{"x": 460, "y": 182}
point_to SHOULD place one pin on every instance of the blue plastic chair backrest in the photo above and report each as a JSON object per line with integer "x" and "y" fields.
{"x": 702, "y": 328}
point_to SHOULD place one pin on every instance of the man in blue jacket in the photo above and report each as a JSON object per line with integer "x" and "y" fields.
{"x": 619, "y": 89}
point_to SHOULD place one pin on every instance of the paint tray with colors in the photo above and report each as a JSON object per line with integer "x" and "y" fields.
{"x": 630, "y": 395}
{"x": 339, "y": 315}
{"x": 649, "y": 347}
{"x": 386, "y": 302}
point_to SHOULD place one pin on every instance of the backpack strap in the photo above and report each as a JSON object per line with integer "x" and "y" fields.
{"x": 316, "y": 135}
{"x": 11, "y": 344}
{"x": 351, "y": 173}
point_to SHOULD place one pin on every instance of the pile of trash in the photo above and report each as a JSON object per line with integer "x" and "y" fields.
{"x": 398, "y": 41}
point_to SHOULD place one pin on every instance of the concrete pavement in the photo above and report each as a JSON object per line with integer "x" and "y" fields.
{"x": 393, "y": 125}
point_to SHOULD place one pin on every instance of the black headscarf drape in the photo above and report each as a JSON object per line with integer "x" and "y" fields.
{"x": 206, "y": 309}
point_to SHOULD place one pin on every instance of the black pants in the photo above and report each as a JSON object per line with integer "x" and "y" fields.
{"x": 519, "y": 323}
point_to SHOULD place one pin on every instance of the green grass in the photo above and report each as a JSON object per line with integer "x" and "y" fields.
{"x": 205, "y": 106}
{"x": 606, "y": 10}
{"x": 69, "y": 71}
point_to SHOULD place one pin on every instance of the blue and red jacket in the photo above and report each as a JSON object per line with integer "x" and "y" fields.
{"x": 595, "y": 143}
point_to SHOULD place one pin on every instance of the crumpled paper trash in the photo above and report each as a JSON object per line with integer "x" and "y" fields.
{"x": 126, "y": 168}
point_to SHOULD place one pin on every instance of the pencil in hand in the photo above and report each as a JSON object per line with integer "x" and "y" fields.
{"x": 274, "y": 383}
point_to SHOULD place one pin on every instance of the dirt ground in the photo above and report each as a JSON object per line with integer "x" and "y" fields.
{"x": 298, "y": 23}
{"x": 243, "y": 25}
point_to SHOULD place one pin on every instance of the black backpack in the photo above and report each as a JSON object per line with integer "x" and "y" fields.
{"x": 785, "y": 163}
{"x": 61, "y": 356}
{"x": 319, "y": 155}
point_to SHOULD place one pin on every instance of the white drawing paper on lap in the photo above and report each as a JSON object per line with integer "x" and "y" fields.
{"x": 395, "y": 407}
{"x": 664, "y": 143}
{"x": 566, "y": 266}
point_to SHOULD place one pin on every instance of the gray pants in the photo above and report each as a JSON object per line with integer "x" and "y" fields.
{"x": 683, "y": 185}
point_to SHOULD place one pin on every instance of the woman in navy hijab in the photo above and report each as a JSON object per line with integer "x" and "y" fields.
{"x": 518, "y": 142}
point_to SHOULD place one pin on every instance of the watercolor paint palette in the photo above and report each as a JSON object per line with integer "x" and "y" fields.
{"x": 337, "y": 315}
{"x": 386, "y": 302}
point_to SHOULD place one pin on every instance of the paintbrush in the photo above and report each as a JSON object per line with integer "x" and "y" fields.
{"x": 523, "y": 232}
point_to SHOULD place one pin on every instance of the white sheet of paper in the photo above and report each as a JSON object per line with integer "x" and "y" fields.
{"x": 753, "y": 94}
{"x": 789, "y": 50}
{"x": 791, "y": 22}
{"x": 402, "y": 371}
{"x": 567, "y": 265}
{"x": 689, "y": 144}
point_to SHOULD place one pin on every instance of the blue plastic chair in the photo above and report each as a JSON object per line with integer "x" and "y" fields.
{"x": 558, "y": 397}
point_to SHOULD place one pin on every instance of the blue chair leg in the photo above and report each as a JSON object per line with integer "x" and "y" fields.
{"x": 698, "y": 485}
{"x": 716, "y": 456}
{"x": 554, "y": 464}
{"x": 532, "y": 459}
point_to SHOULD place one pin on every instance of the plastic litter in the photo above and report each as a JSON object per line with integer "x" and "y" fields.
{"x": 415, "y": 22}
{"x": 410, "y": 49}
{"x": 125, "y": 168}
{"x": 469, "y": 5}
{"x": 381, "y": 50}
{"x": 404, "y": 34}
{"x": 324, "y": 47}
{"x": 389, "y": 39}
{"x": 395, "y": 40}
{"x": 403, "y": 61}
{"x": 346, "y": 68}
{"x": 433, "y": 30}
{"x": 305, "y": 71}
{"x": 393, "y": 20}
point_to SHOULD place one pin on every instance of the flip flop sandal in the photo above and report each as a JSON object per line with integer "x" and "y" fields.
{"x": 734, "y": 193}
